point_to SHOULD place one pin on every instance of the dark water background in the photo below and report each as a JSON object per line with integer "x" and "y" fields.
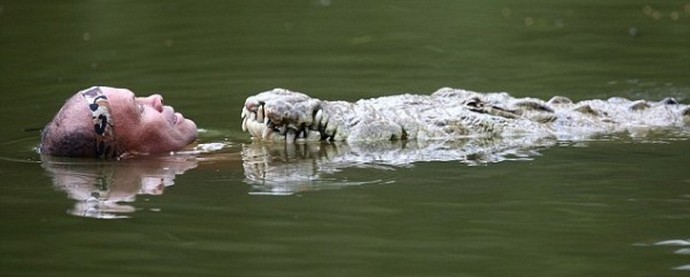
{"x": 609, "y": 207}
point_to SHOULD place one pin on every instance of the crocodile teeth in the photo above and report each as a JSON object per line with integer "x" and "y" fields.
{"x": 290, "y": 136}
{"x": 312, "y": 136}
{"x": 260, "y": 113}
{"x": 282, "y": 129}
{"x": 245, "y": 117}
{"x": 254, "y": 128}
{"x": 330, "y": 129}
{"x": 317, "y": 119}
{"x": 256, "y": 121}
{"x": 266, "y": 133}
{"x": 324, "y": 119}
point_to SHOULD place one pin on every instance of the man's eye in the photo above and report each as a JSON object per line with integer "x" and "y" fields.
{"x": 141, "y": 108}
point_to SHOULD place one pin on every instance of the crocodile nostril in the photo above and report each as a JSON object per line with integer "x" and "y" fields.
{"x": 669, "y": 101}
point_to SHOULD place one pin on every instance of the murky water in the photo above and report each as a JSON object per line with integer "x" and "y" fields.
{"x": 614, "y": 206}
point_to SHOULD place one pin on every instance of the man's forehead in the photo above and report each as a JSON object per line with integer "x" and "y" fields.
{"x": 117, "y": 92}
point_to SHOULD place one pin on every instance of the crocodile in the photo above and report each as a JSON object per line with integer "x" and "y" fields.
{"x": 453, "y": 114}
{"x": 448, "y": 125}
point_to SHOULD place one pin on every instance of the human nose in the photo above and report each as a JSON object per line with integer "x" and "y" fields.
{"x": 154, "y": 100}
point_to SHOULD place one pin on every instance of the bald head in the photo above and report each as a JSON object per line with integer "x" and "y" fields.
{"x": 70, "y": 133}
{"x": 106, "y": 122}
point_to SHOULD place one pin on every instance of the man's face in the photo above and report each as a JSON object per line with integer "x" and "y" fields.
{"x": 145, "y": 125}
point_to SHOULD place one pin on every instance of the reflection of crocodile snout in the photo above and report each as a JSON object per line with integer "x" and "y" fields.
{"x": 450, "y": 114}
{"x": 280, "y": 168}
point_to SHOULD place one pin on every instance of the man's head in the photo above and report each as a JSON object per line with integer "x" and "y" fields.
{"x": 109, "y": 122}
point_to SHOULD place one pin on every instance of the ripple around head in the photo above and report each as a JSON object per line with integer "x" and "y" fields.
{"x": 20, "y": 150}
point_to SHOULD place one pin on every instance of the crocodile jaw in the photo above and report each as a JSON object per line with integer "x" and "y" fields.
{"x": 282, "y": 115}
{"x": 259, "y": 125}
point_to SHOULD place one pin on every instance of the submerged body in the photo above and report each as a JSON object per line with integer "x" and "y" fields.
{"x": 450, "y": 114}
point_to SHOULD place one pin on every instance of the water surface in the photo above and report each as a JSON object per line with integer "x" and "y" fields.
{"x": 611, "y": 206}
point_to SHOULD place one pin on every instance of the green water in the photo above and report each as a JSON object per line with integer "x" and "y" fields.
{"x": 614, "y": 207}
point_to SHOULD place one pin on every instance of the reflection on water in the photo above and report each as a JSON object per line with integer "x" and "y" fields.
{"x": 569, "y": 212}
{"x": 108, "y": 189}
{"x": 278, "y": 168}
{"x": 284, "y": 169}
{"x": 681, "y": 246}
{"x": 104, "y": 189}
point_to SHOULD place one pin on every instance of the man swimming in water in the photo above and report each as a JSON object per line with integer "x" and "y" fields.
{"x": 106, "y": 122}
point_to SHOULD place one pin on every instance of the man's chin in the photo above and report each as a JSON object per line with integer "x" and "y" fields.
{"x": 188, "y": 129}
{"x": 193, "y": 135}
